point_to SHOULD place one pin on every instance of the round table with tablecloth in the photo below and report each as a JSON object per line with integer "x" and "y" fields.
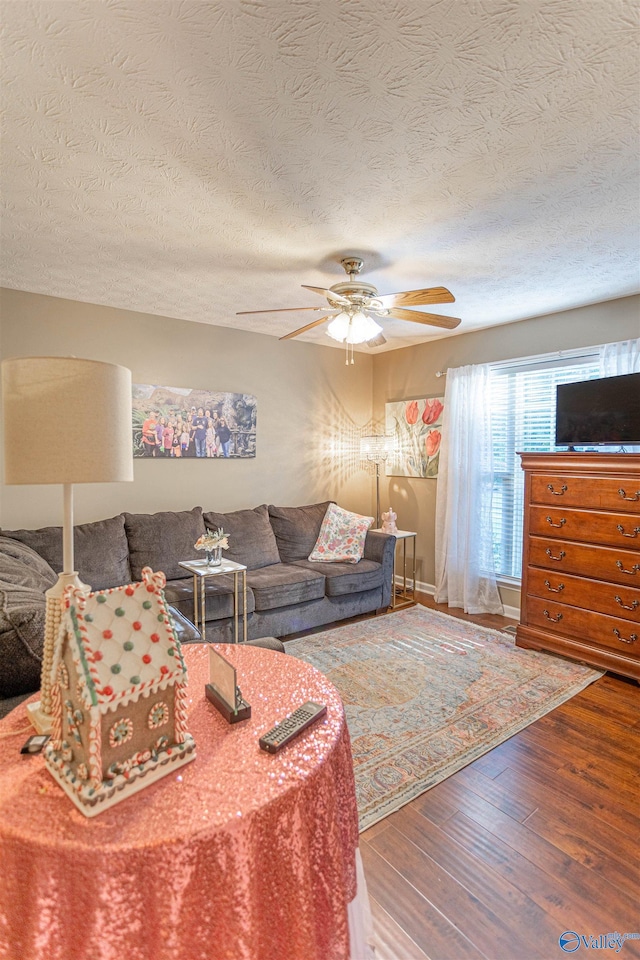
{"x": 240, "y": 855}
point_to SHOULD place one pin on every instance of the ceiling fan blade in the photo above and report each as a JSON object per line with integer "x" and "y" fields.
{"x": 309, "y": 326}
{"x": 417, "y": 298}
{"x": 418, "y": 316}
{"x": 378, "y": 341}
{"x": 337, "y": 297}
{"x": 242, "y": 313}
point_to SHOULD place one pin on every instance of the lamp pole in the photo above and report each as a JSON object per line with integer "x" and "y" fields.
{"x": 376, "y": 449}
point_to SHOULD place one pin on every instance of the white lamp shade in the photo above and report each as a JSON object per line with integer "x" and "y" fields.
{"x": 66, "y": 420}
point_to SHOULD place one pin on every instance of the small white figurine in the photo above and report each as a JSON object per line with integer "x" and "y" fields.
{"x": 389, "y": 522}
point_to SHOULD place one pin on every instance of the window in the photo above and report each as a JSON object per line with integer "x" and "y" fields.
{"x": 523, "y": 417}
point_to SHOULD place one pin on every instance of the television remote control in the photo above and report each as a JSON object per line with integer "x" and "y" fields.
{"x": 291, "y": 726}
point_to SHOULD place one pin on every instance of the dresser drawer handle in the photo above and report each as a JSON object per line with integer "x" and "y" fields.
{"x": 623, "y": 495}
{"x": 627, "y": 606}
{"x": 634, "y": 569}
{"x": 620, "y": 528}
{"x": 554, "y": 589}
{"x": 553, "y": 619}
{"x": 632, "y": 637}
{"x": 552, "y": 524}
{"x": 563, "y": 489}
{"x": 561, "y": 557}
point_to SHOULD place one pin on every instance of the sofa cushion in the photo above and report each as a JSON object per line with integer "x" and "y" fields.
{"x": 22, "y": 566}
{"x": 24, "y": 577}
{"x": 218, "y": 597}
{"x": 101, "y": 551}
{"x": 162, "y": 540}
{"x": 284, "y": 584}
{"x": 22, "y": 620}
{"x": 297, "y": 529}
{"x": 252, "y": 541}
{"x": 344, "y": 578}
{"x": 341, "y": 538}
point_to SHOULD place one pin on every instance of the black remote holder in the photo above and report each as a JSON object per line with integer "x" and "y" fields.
{"x": 223, "y": 690}
{"x": 241, "y": 711}
{"x": 282, "y": 734}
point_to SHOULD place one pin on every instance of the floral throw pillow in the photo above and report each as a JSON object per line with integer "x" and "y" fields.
{"x": 341, "y": 537}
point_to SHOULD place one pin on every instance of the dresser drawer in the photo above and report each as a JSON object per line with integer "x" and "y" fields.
{"x": 581, "y": 558}
{"x": 604, "y": 493}
{"x": 589, "y": 525}
{"x": 592, "y": 628}
{"x": 610, "y": 598}
{"x": 599, "y": 563}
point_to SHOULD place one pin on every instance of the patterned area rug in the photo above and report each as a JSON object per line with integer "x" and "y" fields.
{"x": 425, "y": 694}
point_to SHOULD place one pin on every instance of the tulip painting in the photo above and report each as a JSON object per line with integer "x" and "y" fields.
{"x": 432, "y": 443}
{"x": 411, "y": 412}
{"x": 432, "y": 410}
{"x": 416, "y": 426}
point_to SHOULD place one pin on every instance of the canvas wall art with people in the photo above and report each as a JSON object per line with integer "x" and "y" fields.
{"x": 176, "y": 423}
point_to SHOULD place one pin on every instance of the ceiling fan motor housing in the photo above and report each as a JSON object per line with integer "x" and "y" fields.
{"x": 358, "y": 292}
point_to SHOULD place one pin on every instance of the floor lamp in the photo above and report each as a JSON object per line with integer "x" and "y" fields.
{"x": 66, "y": 421}
{"x": 376, "y": 449}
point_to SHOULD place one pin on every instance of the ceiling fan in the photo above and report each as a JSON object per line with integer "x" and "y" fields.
{"x": 352, "y": 304}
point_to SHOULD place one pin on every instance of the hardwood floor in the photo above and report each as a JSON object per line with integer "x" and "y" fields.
{"x": 538, "y": 837}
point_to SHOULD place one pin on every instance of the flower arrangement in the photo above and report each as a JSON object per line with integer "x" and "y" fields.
{"x": 212, "y": 539}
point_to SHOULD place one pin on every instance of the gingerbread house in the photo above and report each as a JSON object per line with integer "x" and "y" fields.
{"x": 118, "y": 692}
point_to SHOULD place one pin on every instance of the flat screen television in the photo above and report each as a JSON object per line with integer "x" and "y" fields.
{"x": 599, "y": 412}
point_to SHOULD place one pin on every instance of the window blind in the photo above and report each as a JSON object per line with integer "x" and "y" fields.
{"x": 523, "y": 418}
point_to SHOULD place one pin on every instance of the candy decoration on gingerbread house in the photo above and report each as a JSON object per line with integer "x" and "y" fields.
{"x": 118, "y": 683}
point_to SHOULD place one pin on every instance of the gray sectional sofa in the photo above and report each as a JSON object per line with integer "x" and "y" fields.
{"x": 286, "y": 592}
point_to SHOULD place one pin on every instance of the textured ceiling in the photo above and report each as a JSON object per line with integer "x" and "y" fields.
{"x": 192, "y": 159}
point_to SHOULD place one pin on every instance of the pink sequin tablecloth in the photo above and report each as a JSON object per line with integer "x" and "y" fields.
{"x": 240, "y": 855}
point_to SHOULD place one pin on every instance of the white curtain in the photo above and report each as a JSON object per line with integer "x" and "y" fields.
{"x": 617, "y": 359}
{"x": 464, "y": 553}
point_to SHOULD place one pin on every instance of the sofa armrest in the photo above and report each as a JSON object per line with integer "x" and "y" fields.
{"x": 9, "y": 704}
{"x": 381, "y": 548}
{"x": 186, "y": 632}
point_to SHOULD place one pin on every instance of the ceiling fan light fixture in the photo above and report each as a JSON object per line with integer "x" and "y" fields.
{"x": 339, "y": 327}
{"x": 363, "y": 328}
{"x": 354, "y": 328}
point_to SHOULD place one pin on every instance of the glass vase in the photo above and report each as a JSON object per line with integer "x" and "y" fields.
{"x": 214, "y": 556}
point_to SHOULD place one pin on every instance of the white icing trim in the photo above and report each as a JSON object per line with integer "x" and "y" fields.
{"x": 95, "y": 747}
{"x": 91, "y": 801}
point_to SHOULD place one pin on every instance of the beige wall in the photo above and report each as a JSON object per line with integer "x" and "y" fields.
{"x": 311, "y": 411}
{"x": 411, "y": 373}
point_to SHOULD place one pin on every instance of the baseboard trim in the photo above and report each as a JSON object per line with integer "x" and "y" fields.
{"x": 512, "y": 613}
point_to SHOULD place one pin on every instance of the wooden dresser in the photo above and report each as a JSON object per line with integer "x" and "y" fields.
{"x": 581, "y": 558}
